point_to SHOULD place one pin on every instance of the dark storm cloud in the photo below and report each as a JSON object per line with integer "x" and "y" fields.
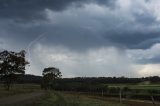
{"x": 33, "y": 9}
{"x": 154, "y": 60}
{"x": 78, "y": 40}
{"x": 145, "y": 18}
{"x": 108, "y": 3}
{"x": 28, "y": 10}
{"x": 147, "y": 43}
{"x": 18, "y": 32}
{"x": 134, "y": 39}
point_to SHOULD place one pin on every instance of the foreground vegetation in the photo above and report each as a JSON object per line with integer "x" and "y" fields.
{"x": 19, "y": 89}
{"x": 53, "y": 98}
{"x": 65, "y": 99}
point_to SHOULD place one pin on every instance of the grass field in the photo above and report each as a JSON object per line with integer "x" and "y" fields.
{"x": 137, "y": 86}
{"x": 18, "y": 89}
{"x": 52, "y": 98}
{"x": 66, "y": 99}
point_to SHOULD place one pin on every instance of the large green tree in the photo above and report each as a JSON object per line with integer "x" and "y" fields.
{"x": 12, "y": 64}
{"x": 49, "y": 76}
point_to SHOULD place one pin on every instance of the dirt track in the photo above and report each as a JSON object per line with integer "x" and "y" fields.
{"x": 20, "y": 98}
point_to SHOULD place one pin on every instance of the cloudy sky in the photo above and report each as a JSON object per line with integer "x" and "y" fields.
{"x": 84, "y": 37}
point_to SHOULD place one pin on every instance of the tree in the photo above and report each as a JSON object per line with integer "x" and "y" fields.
{"x": 49, "y": 75}
{"x": 12, "y": 65}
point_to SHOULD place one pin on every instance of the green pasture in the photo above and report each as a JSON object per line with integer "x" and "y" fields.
{"x": 67, "y": 99}
{"x": 137, "y": 86}
{"x": 18, "y": 89}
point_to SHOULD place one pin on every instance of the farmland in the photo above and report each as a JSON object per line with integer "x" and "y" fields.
{"x": 137, "y": 86}
{"x": 51, "y": 98}
{"x": 66, "y": 99}
{"x": 25, "y": 92}
{"x": 18, "y": 89}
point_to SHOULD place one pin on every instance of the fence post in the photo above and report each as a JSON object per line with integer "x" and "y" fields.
{"x": 120, "y": 95}
{"x": 102, "y": 93}
{"x": 153, "y": 100}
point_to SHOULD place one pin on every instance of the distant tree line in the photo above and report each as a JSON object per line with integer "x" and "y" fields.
{"x": 28, "y": 78}
{"x": 110, "y": 80}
